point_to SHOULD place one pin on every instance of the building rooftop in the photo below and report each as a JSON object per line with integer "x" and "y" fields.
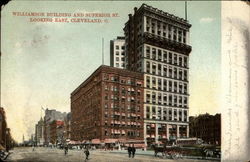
{"x": 109, "y": 69}
{"x": 161, "y": 13}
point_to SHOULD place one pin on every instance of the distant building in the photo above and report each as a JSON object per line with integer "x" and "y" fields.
{"x": 207, "y": 127}
{"x": 157, "y": 45}
{"x": 50, "y": 116}
{"x": 3, "y": 127}
{"x": 6, "y": 139}
{"x": 108, "y": 107}
{"x": 67, "y": 126}
{"x": 117, "y": 52}
{"x": 39, "y": 132}
{"x": 57, "y": 132}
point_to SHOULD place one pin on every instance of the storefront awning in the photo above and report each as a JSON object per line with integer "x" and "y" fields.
{"x": 110, "y": 140}
{"x": 96, "y": 141}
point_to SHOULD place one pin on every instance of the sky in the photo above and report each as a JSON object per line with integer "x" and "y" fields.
{"x": 42, "y": 63}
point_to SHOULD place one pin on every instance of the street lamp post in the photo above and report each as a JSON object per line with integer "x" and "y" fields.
{"x": 6, "y": 140}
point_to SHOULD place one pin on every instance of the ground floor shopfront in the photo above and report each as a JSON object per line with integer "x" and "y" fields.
{"x": 164, "y": 132}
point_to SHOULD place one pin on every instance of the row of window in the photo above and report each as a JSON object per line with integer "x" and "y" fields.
{"x": 123, "y": 99}
{"x": 165, "y": 56}
{"x": 131, "y": 123}
{"x": 118, "y": 59}
{"x": 117, "y": 47}
{"x": 165, "y": 30}
{"x": 118, "y": 53}
{"x": 117, "y": 133}
{"x": 130, "y": 107}
{"x": 166, "y": 99}
{"x": 122, "y": 80}
{"x": 151, "y": 126}
{"x": 166, "y": 71}
{"x": 161, "y": 113}
{"x": 121, "y": 65}
{"x": 124, "y": 90}
{"x": 166, "y": 85}
{"x": 122, "y": 117}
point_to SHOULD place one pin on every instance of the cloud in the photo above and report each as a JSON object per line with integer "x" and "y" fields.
{"x": 206, "y": 20}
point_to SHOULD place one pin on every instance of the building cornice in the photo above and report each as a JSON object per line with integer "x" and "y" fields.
{"x": 163, "y": 16}
{"x": 165, "y": 43}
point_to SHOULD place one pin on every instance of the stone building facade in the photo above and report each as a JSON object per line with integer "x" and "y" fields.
{"x": 3, "y": 127}
{"x": 108, "y": 106}
{"x": 157, "y": 45}
{"x": 39, "y": 132}
{"x": 6, "y": 139}
{"x": 207, "y": 127}
{"x": 50, "y": 116}
{"x": 67, "y": 127}
{"x": 56, "y": 132}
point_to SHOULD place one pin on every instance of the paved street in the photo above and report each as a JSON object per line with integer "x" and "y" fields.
{"x": 56, "y": 155}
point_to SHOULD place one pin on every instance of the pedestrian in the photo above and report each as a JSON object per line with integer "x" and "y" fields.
{"x": 33, "y": 148}
{"x": 86, "y": 152}
{"x": 66, "y": 150}
{"x": 133, "y": 150}
{"x": 129, "y": 151}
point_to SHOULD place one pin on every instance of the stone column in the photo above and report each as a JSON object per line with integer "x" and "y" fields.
{"x": 187, "y": 37}
{"x": 166, "y": 30}
{"x": 178, "y": 132}
{"x": 150, "y": 112}
{"x": 187, "y": 130}
{"x": 167, "y": 127}
{"x": 182, "y": 113}
{"x": 161, "y": 29}
{"x": 172, "y": 113}
{"x": 172, "y": 32}
{"x": 144, "y": 23}
{"x": 162, "y": 111}
{"x": 156, "y": 132}
{"x": 178, "y": 114}
{"x": 177, "y": 35}
{"x": 145, "y": 135}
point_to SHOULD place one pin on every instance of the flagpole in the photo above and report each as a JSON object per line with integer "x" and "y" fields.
{"x": 102, "y": 51}
{"x": 185, "y": 10}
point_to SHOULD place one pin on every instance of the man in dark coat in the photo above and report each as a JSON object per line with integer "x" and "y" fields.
{"x": 87, "y": 153}
{"x": 133, "y": 151}
{"x": 66, "y": 149}
{"x": 129, "y": 151}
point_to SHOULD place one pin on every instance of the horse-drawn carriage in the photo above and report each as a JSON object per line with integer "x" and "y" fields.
{"x": 173, "y": 152}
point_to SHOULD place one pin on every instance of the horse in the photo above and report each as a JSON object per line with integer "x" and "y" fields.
{"x": 159, "y": 149}
{"x": 207, "y": 152}
{"x": 172, "y": 152}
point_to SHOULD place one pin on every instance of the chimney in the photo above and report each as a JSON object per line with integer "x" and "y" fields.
{"x": 135, "y": 9}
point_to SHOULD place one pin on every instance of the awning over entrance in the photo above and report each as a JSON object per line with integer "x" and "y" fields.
{"x": 96, "y": 141}
{"x": 110, "y": 140}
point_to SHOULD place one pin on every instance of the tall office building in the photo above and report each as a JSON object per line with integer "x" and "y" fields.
{"x": 117, "y": 54}
{"x": 157, "y": 44}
